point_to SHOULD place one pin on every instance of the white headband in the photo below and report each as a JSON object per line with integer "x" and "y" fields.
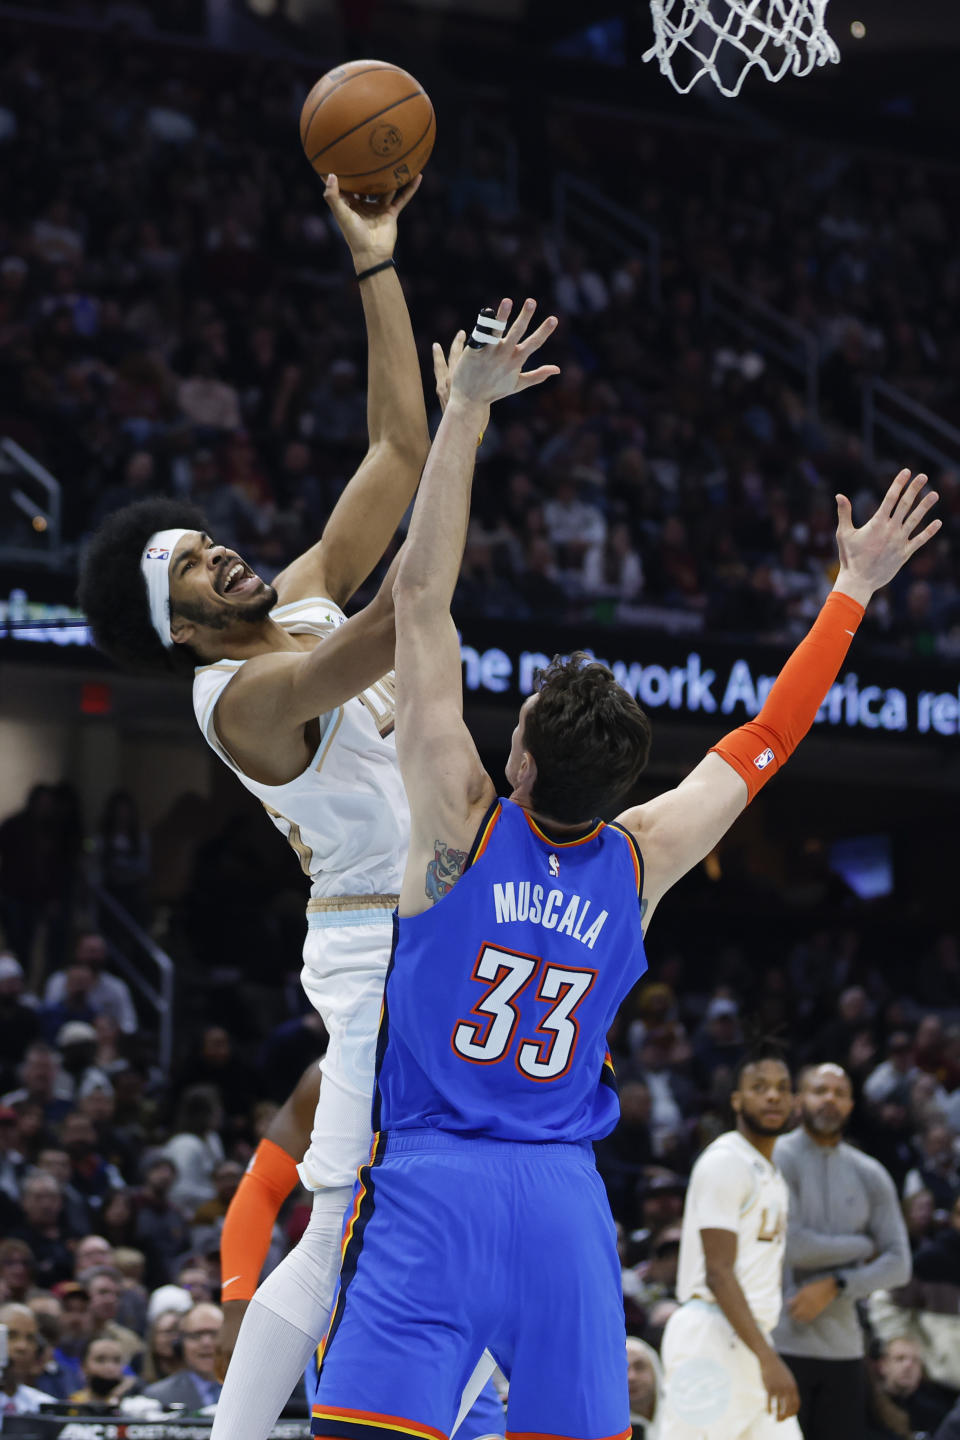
{"x": 155, "y": 568}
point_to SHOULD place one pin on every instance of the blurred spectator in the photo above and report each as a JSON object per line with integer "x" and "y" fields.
{"x": 108, "y": 994}
{"x": 108, "y": 1058}
{"x": 16, "y": 1270}
{"x": 939, "y": 1168}
{"x": 103, "y": 1286}
{"x": 892, "y": 1078}
{"x": 162, "y": 1231}
{"x": 644, "y": 1383}
{"x": 919, "y": 1213}
{"x": 194, "y": 1276}
{"x": 938, "y": 1259}
{"x": 854, "y": 1013}
{"x": 196, "y": 1148}
{"x": 118, "y": 1219}
{"x": 105, "y": 1384}
{"x": 671, "y": 1095}
{"x": 196, "y": 1384}
{"x": 573, "y": 525}
{"x": 720, "y": 1043}
{"x": 53, "y": 1377}
{"x": 226, "y": 1179}
{"x": 132, "y": 1306}
{"x": 624, "y": 1155}
{"x": 42, "y": 1083}
{"x": 17, "y": 1396}
{"x": 19, "y": 1022}
{"x": 613, "y": 570}
{"x": 73, "y": 1008}
{"x": 12, "y": 1164}
{"x": 76, "y": 1328}
{"x": 655, "y": 1278}
{"x": 901, "y": 1376}
{"x": 54, "y": 1160}
{"x": 121, "y": 850}
{"x": 90, "y": 1253}
{"x": 43, "y": 1230}
{"x": 578, "y": 289}
{"x": 216, "y": 1067}
{"x": 92, "y": 1176}
{"x": 77, "y": 1043}
{"x": 35, "y": 871}
{"x": 164, "y": 1350}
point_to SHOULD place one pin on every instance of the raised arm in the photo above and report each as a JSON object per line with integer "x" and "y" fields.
{"x": 445, "y": 781}
{"x": 374, "y": 501}
{"x": 263, "y": 714}
{"x": 677, "y": 829}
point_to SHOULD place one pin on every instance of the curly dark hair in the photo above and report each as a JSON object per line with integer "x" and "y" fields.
{"x": 766, "y": 1048}
{"x": 589, "y": 738}
{"x": 112, "y": 592}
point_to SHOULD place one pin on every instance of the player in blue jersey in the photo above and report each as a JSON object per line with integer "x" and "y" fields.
{"x": 480, "y": 1219}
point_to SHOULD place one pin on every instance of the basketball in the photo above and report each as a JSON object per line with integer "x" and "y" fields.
{"x": 369, "y": 123}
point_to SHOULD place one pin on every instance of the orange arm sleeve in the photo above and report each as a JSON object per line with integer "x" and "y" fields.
{"x": 758, "y": 749}
{"x": 249, "y": 1220}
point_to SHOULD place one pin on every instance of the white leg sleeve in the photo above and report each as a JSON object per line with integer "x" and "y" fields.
{"x": 285, "y": 1321}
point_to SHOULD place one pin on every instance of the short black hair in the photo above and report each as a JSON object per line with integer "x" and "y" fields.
{"x": 761, "y": 1050}
{"x": 588, "y": 736}
{"x": 112, "y": 591}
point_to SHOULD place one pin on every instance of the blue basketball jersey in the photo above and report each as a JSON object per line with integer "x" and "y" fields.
{"x": 499, "y": 997}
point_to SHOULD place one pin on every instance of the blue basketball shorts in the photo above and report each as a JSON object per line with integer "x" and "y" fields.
{"x": 484, "y": 1418}
{"x": 452, "y": 1245}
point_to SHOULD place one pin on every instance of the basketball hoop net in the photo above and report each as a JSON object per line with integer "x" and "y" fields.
{"x": 725, "y": 39}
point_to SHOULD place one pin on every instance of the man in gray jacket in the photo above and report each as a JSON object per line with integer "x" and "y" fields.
{"x": 845, "y": 1239}
{"x": 196, "y": 1385}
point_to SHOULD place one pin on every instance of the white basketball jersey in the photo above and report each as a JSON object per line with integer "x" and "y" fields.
{"x": 346, "y": 815}
{"x": 732, "y": 1187}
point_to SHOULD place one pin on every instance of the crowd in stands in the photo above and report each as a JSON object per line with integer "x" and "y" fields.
{"x": 115, "y": 1176}
{"x": 177, "y": 314}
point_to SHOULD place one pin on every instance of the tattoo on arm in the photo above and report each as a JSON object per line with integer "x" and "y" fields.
{"x": 644, "y": 903}
{"x": 444, "y": 870}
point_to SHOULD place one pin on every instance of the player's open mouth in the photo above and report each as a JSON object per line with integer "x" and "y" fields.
{"x": 238, "y": 580}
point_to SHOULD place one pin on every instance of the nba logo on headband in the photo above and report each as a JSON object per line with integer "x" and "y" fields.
{"x": 157, "y": 553}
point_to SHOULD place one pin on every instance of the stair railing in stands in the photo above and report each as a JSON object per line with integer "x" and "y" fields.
{"x": 581, "y": 211}
{"x": 771, "y": 331}
{"x": 160, "y": 995}
{"x": 921, "y": 437}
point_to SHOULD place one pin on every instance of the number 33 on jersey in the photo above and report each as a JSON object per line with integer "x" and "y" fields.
{"x": 499, "y": 997}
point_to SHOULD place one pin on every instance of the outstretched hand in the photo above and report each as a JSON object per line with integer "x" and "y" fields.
{"x": 494, "y": 371}
{"x": 444, "y": 366}
{"x": 871, "y": 556}
{"x": 368, "y": 224}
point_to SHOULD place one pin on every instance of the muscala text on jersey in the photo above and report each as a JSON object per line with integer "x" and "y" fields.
{"x": 551, "y": 908}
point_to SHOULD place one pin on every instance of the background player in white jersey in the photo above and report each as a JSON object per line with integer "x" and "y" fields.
{"x": 723, "y": 1378}
{"x": 297, "y": 700}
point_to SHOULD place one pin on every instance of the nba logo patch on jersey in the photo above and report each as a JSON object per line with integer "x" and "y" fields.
{"x": 765, "y": 758}
{"x": 158, "y": 552}
{"x": 554, "y": 866}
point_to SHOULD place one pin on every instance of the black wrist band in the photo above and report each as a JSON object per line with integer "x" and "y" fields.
{"x": 375, "y": 269}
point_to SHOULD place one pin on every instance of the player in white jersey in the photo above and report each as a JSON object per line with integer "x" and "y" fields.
{"x": 723, "y": 1379}
{"x": 298, "y": 701}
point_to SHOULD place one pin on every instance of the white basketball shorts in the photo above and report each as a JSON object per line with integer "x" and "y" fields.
{"x": 712, "y": 1384}
{"x": 345, "y": 958}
